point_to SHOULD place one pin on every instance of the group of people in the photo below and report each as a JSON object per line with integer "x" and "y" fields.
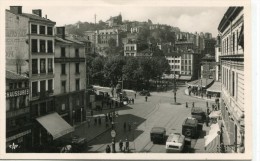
{"x": 122, "y": 148}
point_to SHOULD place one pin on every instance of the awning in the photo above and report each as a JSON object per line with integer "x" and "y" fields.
{"x": 55, "y": 125}
{"x": 216, "y": 87}
{"x": 185, "y": 77}
{"x": 215, "y": 114}
{"x": 201, "y": 83}
{"x": 213, "y": 133}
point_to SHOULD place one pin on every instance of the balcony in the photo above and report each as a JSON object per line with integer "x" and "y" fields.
{"x": 66, "y": 59}
{"x": 17, "y": 112}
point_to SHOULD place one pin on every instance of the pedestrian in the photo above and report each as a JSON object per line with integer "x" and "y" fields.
{"x": 108, "y": 150}
{"x": 99, "y": 120}
{"x": 121, "y": 145}
{"x": 126, "y": 145}
{"x": 124, "y": 126}
{"x": 95, "y": 121}
{"x": 129, "y": 126}
{"x": 88, "y": 122}
{"x": 192, "y": 104}
{"x": 133, "y": 100}
{"x": 146, "y": 98}
{"x": 135, "y": 95}
{"x": 107, "y": 125}
{"x": 207, "y": 120}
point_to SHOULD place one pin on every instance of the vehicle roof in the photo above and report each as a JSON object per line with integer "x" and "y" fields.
{"x": 190, "y": 121}
{"x": 158, "y": 129}
{"x": 176, "y": 138}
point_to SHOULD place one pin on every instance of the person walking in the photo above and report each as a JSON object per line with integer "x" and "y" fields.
{"x": 129, "y": 126}
{"x": 95, "y": 121}
{"x": 133, "y": 100}
{"x": 121, "y": 145}
{"x": 146, "y": 98}
{"x": 108, "y": 150}
{"x": 126, "y": 145}
{"x": 135, "y": 95}
{"x": 124, "y": 126}
{"x": 99, "y": 120}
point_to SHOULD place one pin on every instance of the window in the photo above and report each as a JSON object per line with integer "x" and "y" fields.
{"x": 13, "y": 103}
{"x": 34, "y": 29}
{"x": 43, "y": 110}
{"x": 34, "y": 46}
{"x": 34, "y": 89}
{"x": 63, "y": 53}
{"x": 77, "y": 84}
{"x": 50, "y": 106}
{"x": 42, "y": 30}
{"x": 43, "y": 87}
{"x": 49, "y": 31}
{"x": 42, "y": 46}
{"x": 63, "y": 69}
{"x": 77, "y": 53}
{"x": 132, "y": 48}
{"x": 34, "y": 66}
{"x": 50, "y": 46}
{"x": 50, "y": 67}
{"x": 50, "y": 89}
{"x": 77, "y": 68}
{"x": 63, "y": 107}
{"x": 42, "y": 66}
{"x": 63, "y": 86}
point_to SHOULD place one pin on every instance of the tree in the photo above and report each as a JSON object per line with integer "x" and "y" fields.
{"x": 130, "y": 68}
{"x": 113, "y": 68}
{"x": 97, "y": 68}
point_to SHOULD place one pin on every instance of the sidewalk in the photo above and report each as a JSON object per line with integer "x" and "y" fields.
{"x": 205, "y": 98}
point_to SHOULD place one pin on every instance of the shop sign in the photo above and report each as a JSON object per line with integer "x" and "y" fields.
{"x": 18, "y": 135}
{"x": 17, "y": 93}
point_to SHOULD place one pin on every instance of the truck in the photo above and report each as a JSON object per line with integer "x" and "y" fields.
{"x": 175, "y": 143}
{"x": 158, "y": 134}
{"x": 190, "y": 128}
{"x": 200, "y": 115}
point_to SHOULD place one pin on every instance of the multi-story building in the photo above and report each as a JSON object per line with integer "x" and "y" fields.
{"x": 209, "y": 47}
{"x": 18, "y": 122}
{"x": 217, "y": 54}
{"x": 232, "y": 75}
{"x": 208, "y": 67}
{"x": 130, "y": 49}
{"x": 34, "y": 57}
{"x": 114, "y": 21}
{"x": 70, "y": 78}
{"x": 174, "y": 60}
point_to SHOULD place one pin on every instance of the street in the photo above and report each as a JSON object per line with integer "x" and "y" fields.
{"x": 159, "y": 111}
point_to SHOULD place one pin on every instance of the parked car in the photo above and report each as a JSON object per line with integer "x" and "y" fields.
{"x": 175, "y": 143}
{"x": 144, "y": 93}
{"x": 158, "y": 134}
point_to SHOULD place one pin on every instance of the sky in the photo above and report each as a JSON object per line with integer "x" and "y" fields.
{"x": 188, "y": 19}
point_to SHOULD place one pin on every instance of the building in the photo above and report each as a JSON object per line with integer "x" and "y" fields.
{"x": 37, "y": 62}
{"x": 114, "y": 21}
{"x": 174, "y": 60}
{"x": 70, "y": 78}
{"x": 232, "y": 75}
{"x": 130, "y": 49}
{"x": 208, "y": 67}
{"x": 209, "y": 47}
{"x": 18, "y": 122}
{"x": 217, "y": 54}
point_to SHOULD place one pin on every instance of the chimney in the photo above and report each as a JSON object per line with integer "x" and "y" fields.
{"x": 37, "y": 12}
{"x": 46, "y": 16}
{"x": 60, "y": 31}
{"x": 16, "y": 9}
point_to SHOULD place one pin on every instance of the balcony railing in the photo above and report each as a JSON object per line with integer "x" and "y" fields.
{"x": 17, "y": 112}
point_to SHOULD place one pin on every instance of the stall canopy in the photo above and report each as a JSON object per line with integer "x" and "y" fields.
{"x": 55, "y": 125}
{"x": 216, "y": 87}
{"x": 215, "y": 114}
{"x": 212, "y": 135}
{"x": 201, "y": 83}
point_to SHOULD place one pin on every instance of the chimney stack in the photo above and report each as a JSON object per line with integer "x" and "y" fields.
{"x": 37, "y": 12}
{"x": 60, "y": 31}
{"x": 16, "y": 9}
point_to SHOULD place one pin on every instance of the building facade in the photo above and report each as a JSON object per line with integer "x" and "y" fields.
{"x": 70, "y": 78}
{"x": 232, "y": 75}
{"x": 18, "y": 122}
{"x": 130, "y": 49}
{"x": 34, "y": 57}
{"x": 208, "y": 67}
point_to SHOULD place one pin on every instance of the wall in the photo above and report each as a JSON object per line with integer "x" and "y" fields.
{"x": 17, "y": 47}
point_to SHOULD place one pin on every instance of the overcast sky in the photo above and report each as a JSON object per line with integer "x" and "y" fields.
{"x": 191, "y": 19}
